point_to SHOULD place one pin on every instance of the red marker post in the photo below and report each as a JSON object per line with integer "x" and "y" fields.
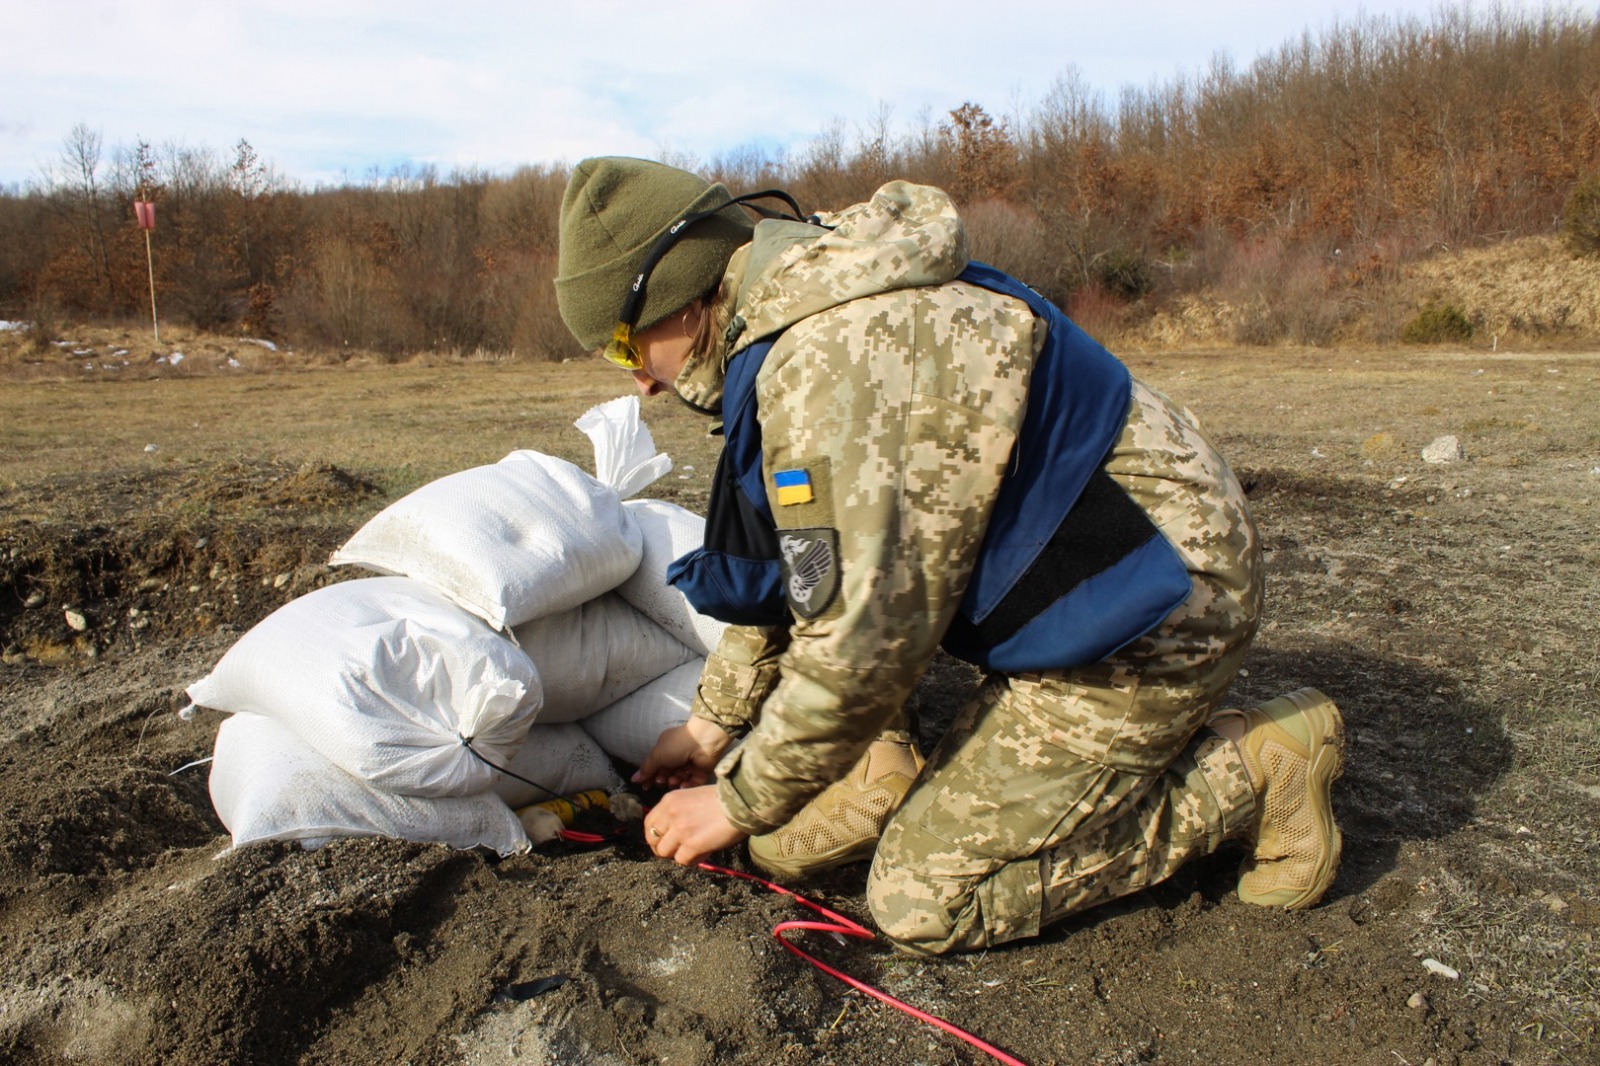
{"x": 144, "y": 212}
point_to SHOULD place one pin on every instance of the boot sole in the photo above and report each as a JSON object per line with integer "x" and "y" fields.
{"x": 1326, "y": 726}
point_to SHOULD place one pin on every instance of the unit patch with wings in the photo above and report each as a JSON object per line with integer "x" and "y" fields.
{"x": 810, "y": 559}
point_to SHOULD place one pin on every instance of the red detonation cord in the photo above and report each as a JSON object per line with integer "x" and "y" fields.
{"x": 579, "y": 837}
{"x": 837, "y": 924}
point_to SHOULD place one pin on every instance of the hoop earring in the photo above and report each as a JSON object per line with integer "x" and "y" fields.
{"x": 687, "y": 332}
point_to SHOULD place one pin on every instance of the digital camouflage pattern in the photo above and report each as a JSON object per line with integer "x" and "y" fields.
{"x": 1055, "y": 792}
{"x": 897, "y": 393}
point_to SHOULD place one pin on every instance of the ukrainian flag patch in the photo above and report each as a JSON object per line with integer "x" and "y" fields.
{"x": 794, "y": 486}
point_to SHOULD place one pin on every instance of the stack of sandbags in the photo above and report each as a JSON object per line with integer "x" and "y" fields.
{"x": 627, "y": 728}
{"x": 525, "y": 600}
{"x": 668, "y": 532}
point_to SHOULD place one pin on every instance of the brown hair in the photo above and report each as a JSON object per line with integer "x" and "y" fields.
{"x": 714, "y": 315}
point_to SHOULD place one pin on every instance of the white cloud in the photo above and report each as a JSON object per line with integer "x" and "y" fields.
{"x": 327, "y": 88}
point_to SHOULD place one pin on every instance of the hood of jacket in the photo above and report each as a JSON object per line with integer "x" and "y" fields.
{"x": 905, "y": 236}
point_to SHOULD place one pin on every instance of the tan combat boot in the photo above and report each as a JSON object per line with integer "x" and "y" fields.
{"x": 1293, "y": 747}
{"x": 843, "y": 824}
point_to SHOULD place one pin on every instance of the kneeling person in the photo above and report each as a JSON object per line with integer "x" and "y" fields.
{"x": 921, "y": 452}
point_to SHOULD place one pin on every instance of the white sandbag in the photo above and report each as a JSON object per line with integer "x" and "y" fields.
{"x": 669, "y": 532}
{"x": 628, "y": 728}
{"x": 625, "y": 456}
{"x": 525, "y": 537}
{"x": 383, "y": 677}
{"x": 268, "y": 784}
{"x": 595, "y": 654}
{"x": 563, "y": 759}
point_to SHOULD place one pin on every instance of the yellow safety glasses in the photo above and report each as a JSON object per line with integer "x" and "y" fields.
{"x": 620, "y": 350}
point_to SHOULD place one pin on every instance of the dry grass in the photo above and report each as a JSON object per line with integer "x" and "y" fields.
{"x": 398, "y": 426}
{"x": 1526, "y": 288}
{"x": 1517, "y": 294}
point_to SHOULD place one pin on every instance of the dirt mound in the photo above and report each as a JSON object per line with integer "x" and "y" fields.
{"x": 165, "y": 554}
{"x": 1532, "y": 287}
{"x": 1526, "y": 291}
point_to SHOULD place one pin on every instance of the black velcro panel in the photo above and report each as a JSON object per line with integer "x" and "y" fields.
{"x": 1103, "y": 526}
{"x": 733, "y": 524}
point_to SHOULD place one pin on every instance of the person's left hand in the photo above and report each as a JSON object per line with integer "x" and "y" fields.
{"x": 685, "y": 755}
{"x": 688, "y": 824}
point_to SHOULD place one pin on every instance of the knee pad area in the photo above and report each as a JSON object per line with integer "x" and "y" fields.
{"x": 930, "y": 901}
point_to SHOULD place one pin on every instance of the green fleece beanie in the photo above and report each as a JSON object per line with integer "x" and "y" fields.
{"x": 613, "y": 210}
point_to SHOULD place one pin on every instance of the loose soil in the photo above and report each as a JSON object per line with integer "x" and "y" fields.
{"x": 151, "y": 515}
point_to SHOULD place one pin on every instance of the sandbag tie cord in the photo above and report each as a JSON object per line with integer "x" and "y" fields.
{"x": 466, "y": 742}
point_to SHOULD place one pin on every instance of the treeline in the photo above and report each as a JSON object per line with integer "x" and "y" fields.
{"x": 1296, "y": 187}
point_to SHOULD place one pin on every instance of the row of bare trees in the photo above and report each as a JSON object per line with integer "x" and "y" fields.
{"x": 1293, "y": 183}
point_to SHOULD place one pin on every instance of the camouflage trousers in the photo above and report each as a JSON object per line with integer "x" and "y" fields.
{"x": 1053, "y": 792}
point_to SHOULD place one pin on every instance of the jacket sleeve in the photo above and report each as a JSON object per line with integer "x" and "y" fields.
{"x": 892, "y": 419}
{"x": 739, "y": 675}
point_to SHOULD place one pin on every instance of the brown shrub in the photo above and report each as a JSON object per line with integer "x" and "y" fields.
{"x": 1097, "y": 312}
{"x": 1581, "y": 219}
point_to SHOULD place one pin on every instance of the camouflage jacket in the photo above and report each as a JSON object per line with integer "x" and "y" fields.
{"x": 896, "y": 394}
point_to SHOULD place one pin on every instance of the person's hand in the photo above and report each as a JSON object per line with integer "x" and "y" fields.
{"x": 684, "y": 755}
{"x": 689, "y": 824}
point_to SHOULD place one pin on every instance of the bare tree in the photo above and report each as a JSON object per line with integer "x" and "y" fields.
{"x": 80, "y": 158}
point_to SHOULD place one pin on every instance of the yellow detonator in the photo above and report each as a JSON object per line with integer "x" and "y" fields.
{"x": 567, "y": 807}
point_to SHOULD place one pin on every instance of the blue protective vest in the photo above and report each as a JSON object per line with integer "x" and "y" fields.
{"x": 1070, "y": 568}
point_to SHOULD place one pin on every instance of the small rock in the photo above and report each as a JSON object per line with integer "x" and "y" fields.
{"x": 76, "y": 620}
{"x": 151, "y": 584}
{"x": 152, "y": 447}
{"x": 1437, "y": 967}
{"x": 1446, "y": 449}
{"x": 34, "y": 599}
{"x": 1418, "y": 1001}
{"x": 281, "y": 580}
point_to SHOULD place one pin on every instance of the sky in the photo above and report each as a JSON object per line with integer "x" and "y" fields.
{"x": 336, "y": 91}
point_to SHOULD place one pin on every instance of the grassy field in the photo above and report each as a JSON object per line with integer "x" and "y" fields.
{"x": 1449, "y": 608}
